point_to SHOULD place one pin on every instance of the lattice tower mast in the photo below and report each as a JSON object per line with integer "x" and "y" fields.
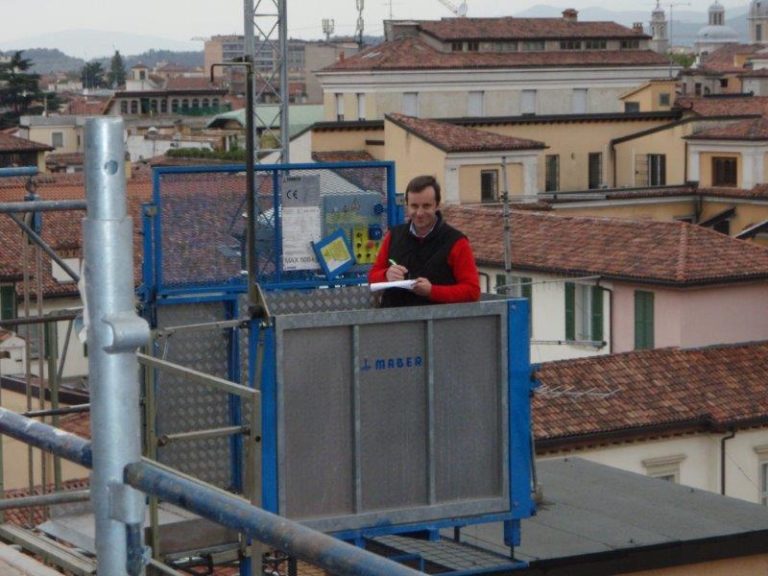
{"x": 266, "y": 47}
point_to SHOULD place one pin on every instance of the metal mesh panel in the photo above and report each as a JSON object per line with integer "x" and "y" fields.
{"x": 183, "y": 406}
{"x": 203, "y": 222}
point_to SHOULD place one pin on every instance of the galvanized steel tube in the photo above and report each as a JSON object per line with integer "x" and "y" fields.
{"x": 114, "y": 334}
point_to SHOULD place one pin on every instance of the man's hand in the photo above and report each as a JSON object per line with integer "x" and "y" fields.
{"x": 396, "y": 273}
{"x": 423, "y": 287}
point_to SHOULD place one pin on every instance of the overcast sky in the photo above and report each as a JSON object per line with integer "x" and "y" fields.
{"x": 185, "y": 19}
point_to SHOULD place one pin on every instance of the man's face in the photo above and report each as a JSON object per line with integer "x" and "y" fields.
{"x": 422, "y": 209}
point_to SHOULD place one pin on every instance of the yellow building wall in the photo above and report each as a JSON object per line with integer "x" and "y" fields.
{"x": 44, "y": 135}
{"x": 648, "y": 97}
{"x": 470, "y": 191}
{"x": 330, "y": 141}
{"x": 705, "y": 167}
{"x": 412, "y": 156}
{"x": 662, "y": 211}
{"x": 573, "y": 142}
{"x": 15, "y": 453}
{"x": 669, "y": 142}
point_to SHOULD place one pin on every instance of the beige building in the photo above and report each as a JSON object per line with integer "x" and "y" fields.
{"x": 478, "y": 67}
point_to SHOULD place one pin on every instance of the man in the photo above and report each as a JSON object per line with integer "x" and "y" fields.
{"x": 428, "y": 250}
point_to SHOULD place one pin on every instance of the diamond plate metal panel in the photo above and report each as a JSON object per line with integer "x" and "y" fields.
{"x": 329, "y": 300}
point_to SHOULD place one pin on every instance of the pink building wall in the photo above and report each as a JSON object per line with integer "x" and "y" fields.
{"x": 693, "y": 317}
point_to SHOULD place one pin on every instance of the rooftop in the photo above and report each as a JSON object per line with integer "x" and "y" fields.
{"x": 723, "y": 106}
{"x": 10, "y": 144}
{"x": 752, "y": 129}
{"x": 642, "y": 251}
{"x": 416, "y": 54}
{"x": 644, "y": 392}
{"x": 452, "y": 138}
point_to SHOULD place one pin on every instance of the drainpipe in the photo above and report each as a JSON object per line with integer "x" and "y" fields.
{"x": 722, "y": 460}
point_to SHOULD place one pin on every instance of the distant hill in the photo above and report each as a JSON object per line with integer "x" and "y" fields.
{"x": 91, "y": 44}
{"x": 45, "y": 60}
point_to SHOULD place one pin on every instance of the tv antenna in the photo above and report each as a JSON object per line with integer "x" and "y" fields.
{"x": 329, "y": 25}
{"x": 459, "y": 10}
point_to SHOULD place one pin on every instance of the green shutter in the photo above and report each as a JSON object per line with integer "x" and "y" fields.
{"x": 597, "y": 314}
{"x": 644, "y": 326}
{"x": 570, "y": 311}
{"x": 7, "y": 303}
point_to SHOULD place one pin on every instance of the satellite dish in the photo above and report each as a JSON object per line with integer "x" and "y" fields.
{"x": 461, "y": 11}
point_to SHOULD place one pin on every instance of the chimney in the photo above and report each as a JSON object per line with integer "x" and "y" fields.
{"x": 570, "y": 15}
{"x": 637, "y": 27}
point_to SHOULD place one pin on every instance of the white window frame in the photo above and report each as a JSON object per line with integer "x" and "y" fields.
{"x": 339, "y": 102}
{"x": 57, "y": 139}
{"x": 361, "y": 106}
{"x": 664, "y": 467}
{"x": 411, "y": 103}
{"x": 528, "y": 102}
{"x": 762, "y": 474}
{"x": 476, "y": 103}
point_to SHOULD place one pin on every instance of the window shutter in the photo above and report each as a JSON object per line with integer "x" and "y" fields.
{"x": 644, "y": 337}
{"x": 526, "y": 288}
{"x": 597, "y": 314}
{"x": 7, "y": 303}
{"x": 570, "y": 311}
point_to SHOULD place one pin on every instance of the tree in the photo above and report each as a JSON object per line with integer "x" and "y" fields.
{"x": 92, "y": 75}
{"x": 18, "y": 88}
{"x": 682, "y": 59}
{"x": 116, "y": 76}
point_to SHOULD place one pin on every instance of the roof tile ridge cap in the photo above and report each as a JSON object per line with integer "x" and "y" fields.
{"x": 682, "y": 252}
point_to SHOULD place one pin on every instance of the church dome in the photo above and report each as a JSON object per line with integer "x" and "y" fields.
{"x": 717, "y": 34}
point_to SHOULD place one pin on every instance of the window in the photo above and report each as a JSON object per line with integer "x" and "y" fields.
{"x": 724, "y": 172}
{"x": 528, "y": 102}
{"x": 185, "y": 104}
{"x": 153, "y": 106}
{"x": 473, "y": 46}
{"x": 583, "y": 312}
{"x": 762, "y": 474}
{"x": 134, "y": 107}
{"x": 570, "y": 45}
{"x": 697, "y": 89}
{"x": 631, "y": 107}
{"x": 630, "y": 44}
{"x": 411, "y": 103}
{"x": 7, "y": 302}
{"x": 57, "y": 139}
{"x": 489, "y": 185}
{"x": 164, "y": 106}
{"x": 206, "y": 103}
{"x": 596, "y": 44}
{"x": 643, "y": 320}
{"x": 595, "y": 169}
{"x": 174, "y": 105}
{"x": 664, "y": 467}
{"x": 123, "y": 107}
{"x": 579, "y": 102}
{"x": 758, "y": 32}
{"x": 457, "y": 46}
{"x": 339, "y": 99}
{"x": 723, "y": 82}
{"x": 657, "y": 169}
{"x": 664, "y": 99}
{"x": 552, "y": 173}
{"x": 475, "y": 103}
{"x": 533, "y": 46}
{"x": 361, "y": 106}
{"x": 195, "y": 103}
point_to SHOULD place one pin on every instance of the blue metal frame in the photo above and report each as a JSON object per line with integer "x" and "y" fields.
{"x": 153, "y": 286}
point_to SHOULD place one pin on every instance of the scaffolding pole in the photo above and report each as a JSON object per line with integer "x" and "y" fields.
{"x": 115, "y": 332}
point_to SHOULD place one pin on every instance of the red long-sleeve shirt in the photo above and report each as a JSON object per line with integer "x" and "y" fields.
{"x": 462, "y": 263}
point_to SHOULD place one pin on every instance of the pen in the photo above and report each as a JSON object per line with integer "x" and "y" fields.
{"x": 392, "y": 262}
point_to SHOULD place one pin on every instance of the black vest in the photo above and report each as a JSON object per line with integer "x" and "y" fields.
{"x": 424, "y": 257}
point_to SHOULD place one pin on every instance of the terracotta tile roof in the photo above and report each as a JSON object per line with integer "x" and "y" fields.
{"x": 752, "y": 129}
{"x": 78, "y": 424}
{"x": 182, "y": 83}
{"x": 64, "y": 159}
{"x": 723, "y": 106}
{"x": 10, "y": 143}
{"x": 452, "y": 138}
{"x": 722, "y": 60}
{"x": 87, "y": 106}
{"x": 705, "y": 388}
{"x": 365, "y": 178}
{"x": 414, "y": 54}
{"x": 644, "y": 251}
{"x": 20, "y": 516}
{"x": 509, "y": 28}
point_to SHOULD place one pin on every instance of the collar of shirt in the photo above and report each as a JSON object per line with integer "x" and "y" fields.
{"x": 412, "y": 229}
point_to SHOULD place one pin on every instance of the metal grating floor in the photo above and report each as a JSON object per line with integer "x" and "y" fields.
{"x": 455, "y": 557}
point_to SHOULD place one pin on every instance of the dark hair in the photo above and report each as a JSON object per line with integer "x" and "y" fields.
{"x": 420, "y": 182}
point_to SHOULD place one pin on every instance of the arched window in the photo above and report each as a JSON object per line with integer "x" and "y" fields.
{"x": 206, "y": 103}
{"x": 175, "y": 105}
{"x": 163, "y": 106}
{"x": 123, "y": 107}
{"x": 195, "y": 103}
{"x": 134, "y": 107}
{"x": 185, "y": 104}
